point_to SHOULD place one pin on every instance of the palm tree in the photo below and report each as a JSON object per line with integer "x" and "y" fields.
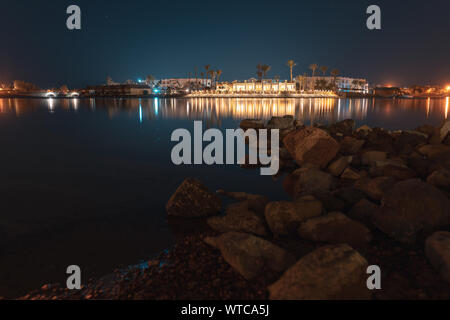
{"x": 207, "y": 67}
{"x": 265, "y": 68}
{"x": 259, "y": 71}
{"x": 313, "y": 68}
{"x": 150, "y": 79}
{"x": 291, "y": 64}
{"x": 218, "y": 73}
{"x": 334, "y": 73}
{"x": 324, "y": 69}
{"x": 196, "y": 77}
{"x": 277, "y": 78}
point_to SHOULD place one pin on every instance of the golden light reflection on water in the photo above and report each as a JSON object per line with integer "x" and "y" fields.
{"x": 214, "y": 110}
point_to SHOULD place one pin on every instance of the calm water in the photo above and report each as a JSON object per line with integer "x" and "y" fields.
{"x": 85, "y": 181}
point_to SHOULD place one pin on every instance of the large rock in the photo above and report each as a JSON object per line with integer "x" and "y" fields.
{"x": 434, "y": 151}
{"x": 437, "y": 250}
{"x": 351, "y": 145}
{"x": 444, "y": 129}
{"x": 193, "y": 199}
{"x": 311, "y": 145}
{"x": 252, "y": 124}
{"x": 239, "y": 217}
{"x": 255, "y": 202}
{"x": 330, "y": 272}
{"x": 311, "y": 181}
{"x": 250, "y": 255}
{"x": 412, "y": 209}
{"x": 335, "y": 227}
{"x": 350, "y": 174}
{"x": 350, "y": 196}
{"x": 369, "y": 157}
{"x": 281, "y": 123}
{"x": 363, "y": 211}
{"x": 374, "y": 188}
{"x": 284, "y": 217}
{"x": 344, "y": 127}
{"x": 338, "y": 166}
{"x": 391, "y": 168}
{"x": 440, "y": 178}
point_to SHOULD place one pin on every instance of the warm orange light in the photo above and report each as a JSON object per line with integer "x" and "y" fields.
{"x": 448, "y": 88}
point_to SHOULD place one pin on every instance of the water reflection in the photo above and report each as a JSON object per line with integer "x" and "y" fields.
{"x": 215, "y": 110}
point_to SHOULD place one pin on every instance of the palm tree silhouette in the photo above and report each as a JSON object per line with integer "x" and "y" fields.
{"x": 291, "y": 64}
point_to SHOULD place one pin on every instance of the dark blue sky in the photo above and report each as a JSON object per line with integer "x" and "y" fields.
{"x": 130, "y": 39}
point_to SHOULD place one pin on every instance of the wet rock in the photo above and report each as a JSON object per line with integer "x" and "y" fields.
{"x": 350, "y": 174}
{"x": 254, "y": 202}
{"x": 412, "y": 209}
{"x": 369, "y": 157}
{"x": 335, "y": 227}
{"x": 240, "y": 218}
{"x": 351, "y": 146}
{"x": 338, "y": 166}
{"x": 311, "y": 145}
{"x": 344, "y": 127}
{"x": 350, "y": 196}
{"x": 440, "y": 178}
{"x": 330, "y": 202}
{"x": 311, "y": 181}
{"x": 409, "y": 139}
{"x": 434, "y": 151}
{"x": 252, "y": 124}
{"x": 363, "y": 211}
{"x": 374, "y": 188}
{"x": 250, "y": 255}
{"x": 284, "y": 217}
{"x": 286, "y": 122}
{"x": 330, "y": 272}
{"x": 444, "y": 129}
{"x": 193, "y": 199}
{"x": 363, "y": 131}
{"x": 392, "y": 168}
{"x": 437, "y": 250}
{"x": 381, "y": 140}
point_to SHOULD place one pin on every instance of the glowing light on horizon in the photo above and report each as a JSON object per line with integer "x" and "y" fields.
{"x": 446, "y": 107}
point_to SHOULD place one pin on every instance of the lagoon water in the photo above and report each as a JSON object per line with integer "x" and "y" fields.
{"x": 85, "y": 181}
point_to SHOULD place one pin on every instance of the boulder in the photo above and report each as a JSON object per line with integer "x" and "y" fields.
{"x": 335, "y": 227}
{"x": 369, "y": 157}
{"x": 412, "y": 209}
{"x": 407, "y": 140}
{"x": 437, "y": 250}
{"x": 284, "y": 217}
{"x": 239, "y": 217}
{"x": 252, "y": 124}
{"x": 338, "y": 166}
{"x": 281, "y": 123}
{"x": 351, "y": 146}
{"x": 330, "y": 203}
{"x": 193, "y": 199}
{"x": 444, "y": 129}
{"x": 391, "y": 168}
{"x": 311, "y": 145}
{"x": 440, "y": 178}
{"x": 255, "y": 202}
{"x": 330, "y": 272}
{"x": 350, "y": 196}
{"x": 374, "y": 188}
{"x": 344, "y": 127}
{"x": 363, "y": 211}
{"x": 311, "y": 181}
{"x": 434, "y": 151}
{"x": 250, "y": 255}
{"x": 350, "y": 174}
{"x": 379, "y": 139}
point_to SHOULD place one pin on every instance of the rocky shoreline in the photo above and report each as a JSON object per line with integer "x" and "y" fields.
{"x": 360, "y": 196}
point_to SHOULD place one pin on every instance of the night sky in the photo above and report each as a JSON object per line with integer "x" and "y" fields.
{"x": 131, "y": 39}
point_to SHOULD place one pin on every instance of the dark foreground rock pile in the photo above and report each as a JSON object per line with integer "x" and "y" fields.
{"x": 360, "y": 197}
